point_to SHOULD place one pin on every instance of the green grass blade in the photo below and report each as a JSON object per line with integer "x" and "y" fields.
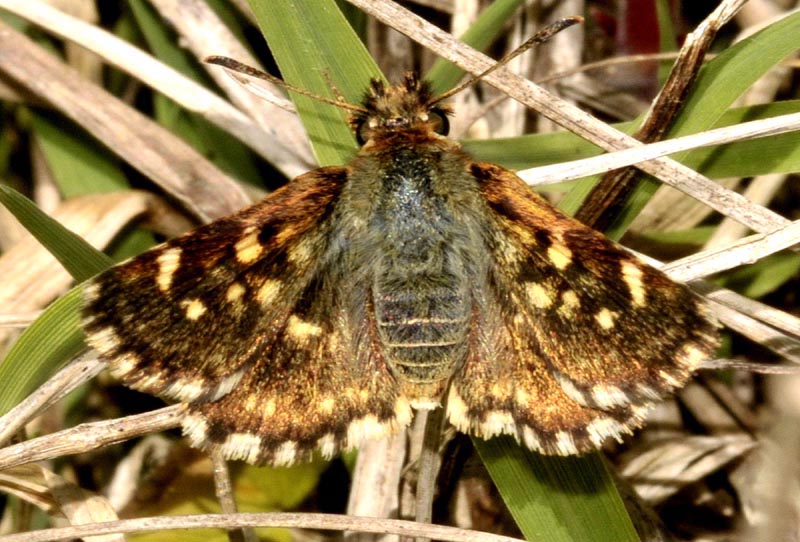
{"x": 666, "y": 36}
{"x": 557, "y": 499}
{"x": 78, "y": 164}
{"x": 55, "y": 336}
{"x": 78, "y": 257}
{"x": 314, "y": 46}
{"x": 44, "y": 347}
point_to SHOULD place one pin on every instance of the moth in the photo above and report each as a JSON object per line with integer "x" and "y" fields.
{"x": 411, "y": 278}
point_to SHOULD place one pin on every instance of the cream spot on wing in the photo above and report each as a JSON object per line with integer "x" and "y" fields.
{"x": 639, "y": 413}
{"x": 669, "y": 379}
{"x": 497, "y": 423}
{"x": 326, "y": 405}
{"x": 565, "y": 445}
{"x": 269, "y": 408}
{"x": 183, "y": 390}
{"x": 606, "y": 318}
{"x": 300, "y": 253}
{"x": 691, "y": 357}
{"x": 150, "y": 383}
{"x": 608, "y": 396}
{"x": 569, "y": 303}
{"x": 571, "y": 390}
{"x": 235, "y": 292}
{"x": 91, "y": 291}
{"x": 646, "y": 391}
{"x": 268, "y": 291}
{"x": 540, "y": 296}
{"x": 300, "y": 330}
{"x": 602, "y": 428}
{"x": 168, "y": 262}
{"x": 251, "y": 404}
{"x": 365, "y": 428}
{"x": 248, "y": 248}
{"x": 285, "y": 454}
{"x": 530, "y": 439}
{"x": 125, "y": 364}
{"x": 526, "y": 237}
{"x": 632, "y": 275}
{"x": 502, "y": 389}
{"x": 195, "y": 428}
{"x": 522, "y": 397}
{"x": 327, "y": 445}
{"x": 558, "y": 254}
{"x": 224, "y": 386}
{"x": 242, "y": 446}
{"x": 457, "y": 411}
{"x": 194, "y": 309}
{"x": 104, "y": 339}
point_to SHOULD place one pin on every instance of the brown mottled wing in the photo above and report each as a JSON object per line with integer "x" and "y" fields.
{"x": 580, "y": 336}
{"x": 322, "y": 386}
{"x": 235, "y": 318}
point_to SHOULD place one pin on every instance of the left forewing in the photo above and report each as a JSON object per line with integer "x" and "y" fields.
{"x": 183, "y": 319}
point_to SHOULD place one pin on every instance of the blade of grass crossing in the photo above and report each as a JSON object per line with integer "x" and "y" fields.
{"x": 315, "y": 46}
{"x": 51, "y": 340}
{"x": 79, "y": 258}
{"x": 557, "y": 499}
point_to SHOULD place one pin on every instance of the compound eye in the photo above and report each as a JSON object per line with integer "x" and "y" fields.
{"x": 439, "y": 122}
{"x": 362, "y": 132}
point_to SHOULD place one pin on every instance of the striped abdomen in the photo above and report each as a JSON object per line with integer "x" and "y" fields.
{"x": 422, "y": 323}
{"x": 421, "y": 293}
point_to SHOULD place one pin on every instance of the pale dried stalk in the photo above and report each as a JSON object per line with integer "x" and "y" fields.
{"x": 745, "y": 251}
{"x": 18, "y": 320}
{"x": 376, "y": 478}
{"x": 171, "y": 83}
{"x": 765, "y": 335}
{"x": 284, "y": 141}
{"x": 57, "y": 387}
{"x": 670, "y": 209}
{"x": 329, "y": 522}
{"x": 223, "y": 490}
{"x": 577, "y": 169}
{"x": 755, "y": 310}
{"x": 160, "y": 155}
{"x": 90, "y": 436}
{"x": 82, "y": 507}
{"x": 563, "y": 51}
{"x": 761, "y": 190}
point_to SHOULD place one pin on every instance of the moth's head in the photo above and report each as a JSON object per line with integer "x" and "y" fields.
{"x": 409, "y": 105}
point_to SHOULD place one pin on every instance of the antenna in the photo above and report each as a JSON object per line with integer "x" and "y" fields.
{"x": 235, "y": 66}
{"x": 540, "y": 37}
